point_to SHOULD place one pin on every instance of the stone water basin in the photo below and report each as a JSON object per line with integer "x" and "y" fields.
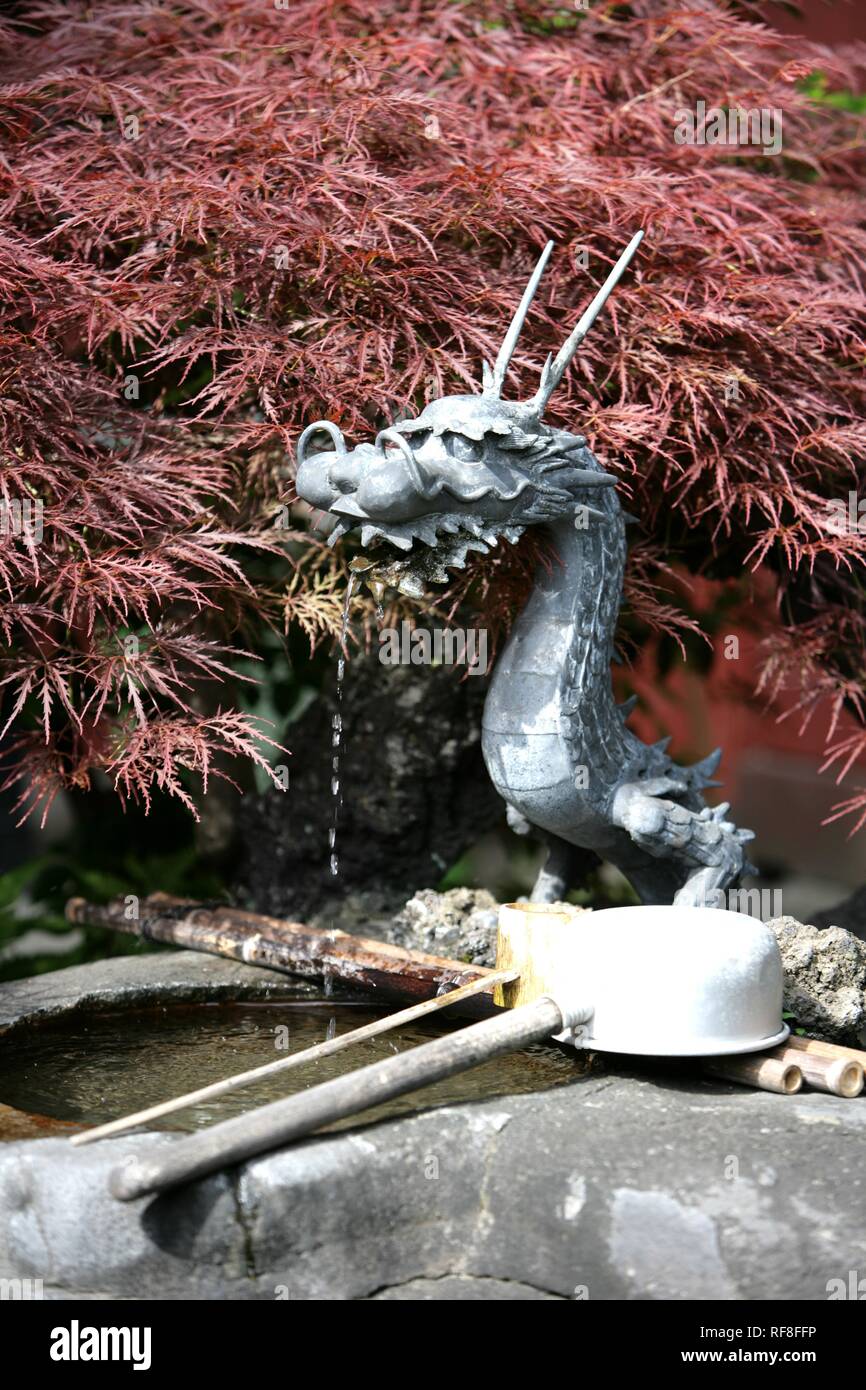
{"x": 622, "y": 1183}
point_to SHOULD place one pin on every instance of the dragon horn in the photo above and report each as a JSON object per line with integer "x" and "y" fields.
{"x": 494, "y": 377}
{"x": 555, "y": 370}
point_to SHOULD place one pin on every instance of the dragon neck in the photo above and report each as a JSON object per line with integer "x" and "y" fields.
{"x": 556, "y": 663}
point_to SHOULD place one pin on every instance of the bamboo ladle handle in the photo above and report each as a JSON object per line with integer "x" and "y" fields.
{"x": 271, "y": 1126}
{"x": 296, "y": 1059}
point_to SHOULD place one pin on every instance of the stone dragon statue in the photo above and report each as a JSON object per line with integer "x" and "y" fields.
{"x": 472, "y": 470}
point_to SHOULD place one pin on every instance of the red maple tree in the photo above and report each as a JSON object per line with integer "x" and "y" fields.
{"x": 223, "y": 218}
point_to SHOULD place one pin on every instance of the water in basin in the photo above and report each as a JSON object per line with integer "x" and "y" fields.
{"x": 98, "y": 1066}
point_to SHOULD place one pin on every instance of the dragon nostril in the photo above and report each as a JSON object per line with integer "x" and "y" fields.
{"x": 344, "y": 474}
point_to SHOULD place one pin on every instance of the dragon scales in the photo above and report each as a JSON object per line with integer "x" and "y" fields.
{"x": 471, "y": 470}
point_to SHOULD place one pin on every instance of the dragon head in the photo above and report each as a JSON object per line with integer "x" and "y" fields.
{"x": 468, "y": 470}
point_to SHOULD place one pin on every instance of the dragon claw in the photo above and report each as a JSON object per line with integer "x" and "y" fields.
{"x": 709, "y": 847}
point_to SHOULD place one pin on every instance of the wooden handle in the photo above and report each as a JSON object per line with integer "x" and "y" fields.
{"x": 282, "y": 1121}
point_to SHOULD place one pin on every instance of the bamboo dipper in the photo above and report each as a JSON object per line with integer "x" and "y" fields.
{"x": 536, "y": 1016}
{"x": 657, "y": 980}
{"x": 284, "y": 1120}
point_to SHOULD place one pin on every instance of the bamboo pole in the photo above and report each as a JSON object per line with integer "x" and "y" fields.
{"x": 827, "y": 1049}
{"x": 297, "y": 1059}
{"x": 766, "y": 1073}
{"x": 840, "y": 1076}
{"x": 377, "y": 967}
{"x": 226, "y": 1144}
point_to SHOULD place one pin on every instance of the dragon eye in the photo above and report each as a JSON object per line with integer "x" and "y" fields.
{"x": 461, "y": 447}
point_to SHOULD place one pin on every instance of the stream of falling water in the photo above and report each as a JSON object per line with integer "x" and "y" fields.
{"x": 336, "y": 748}
{"x": 337, "y": 733}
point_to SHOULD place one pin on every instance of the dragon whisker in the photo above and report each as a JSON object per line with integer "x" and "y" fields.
{"x": 318, "y": 425}
{"x": 391, "y": 436}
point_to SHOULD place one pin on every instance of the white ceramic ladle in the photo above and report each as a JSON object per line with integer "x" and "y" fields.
{"x": 659, "y": 981}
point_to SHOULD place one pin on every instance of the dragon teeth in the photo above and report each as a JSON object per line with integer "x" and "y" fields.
{"x": 397, "y": 538}
{"x": 347, "y": 506}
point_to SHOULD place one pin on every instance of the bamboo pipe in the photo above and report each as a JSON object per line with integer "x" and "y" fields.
{"x": 297, "y": 1059}
{"x": 827, "y": 1049}
{"x": 232, "y": 1141}
{"x": 767, "y": 1073}
{"x": 839, "y": 1076}
{"x": 378, "y": 967}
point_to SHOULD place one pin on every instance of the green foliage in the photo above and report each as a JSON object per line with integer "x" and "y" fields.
{"x": 816, "y": 88}
{"x": 33, "y": 897}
